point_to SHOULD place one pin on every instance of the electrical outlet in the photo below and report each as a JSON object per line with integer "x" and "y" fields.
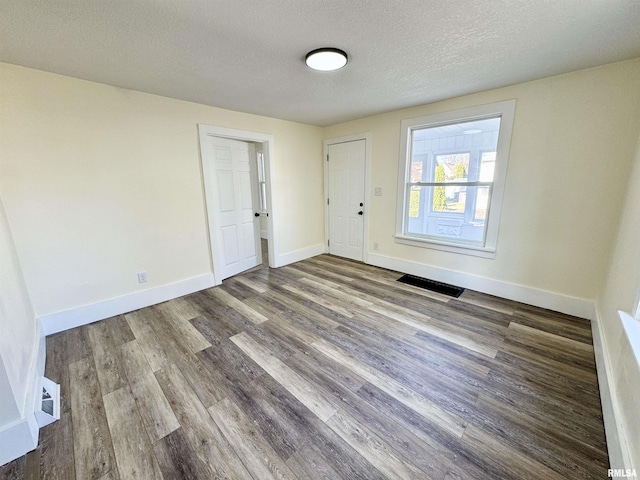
{"x": 142, "y": 277}
{"x": 375, "y": 245}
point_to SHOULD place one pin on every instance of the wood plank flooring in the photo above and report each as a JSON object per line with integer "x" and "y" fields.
{"x": 324, "y": 369}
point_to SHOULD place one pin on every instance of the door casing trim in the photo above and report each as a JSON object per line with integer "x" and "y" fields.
{"x": 268, "y": 142}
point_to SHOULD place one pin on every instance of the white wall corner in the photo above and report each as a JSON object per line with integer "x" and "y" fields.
{"x": 85, "y": 314}
{"x": 21, "y": 436}
{"x": 579, "y": 307}
{"x": 298, "y": 255}
{"x": 617, "y": 445}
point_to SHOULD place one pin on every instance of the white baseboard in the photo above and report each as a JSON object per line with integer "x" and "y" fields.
{"x": 580, "y": 307}
{"x": 85, "y": 314}
{"x": 21, "y": 436}
{"x": 18, "y": 439}
{"x": 619, "y": 457}
{"x": 297, "y": 255}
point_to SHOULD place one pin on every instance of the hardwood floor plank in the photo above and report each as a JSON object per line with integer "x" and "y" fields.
{"x": 570, "y": 412}
{"x": 280, "y": 417}
{"x": 322, "y": 372}
{"x": 181, "y": 329}
{"x": 78, "y": 344}
{"x": 488, "y": 301}
{"x": 148, "y": 340}
{"x": 298, "y": 311}
{"x": 307, "y": 464}
{"x": 206, "y": 385}
{"x": 372, "y": 448}
{"x": 237, "y": 289}
{"x": 434, "y": 413}
{"x": 157, "y": 416}
{"x": 130, "y": 442}
{"x": 107, "y": 361}
{"x": 542, "y": 440}
{"x": 93, "y": 449}
{"x": 14, "y": 470}
{"x": 183, "y": 308}
{"x": 237, "y": 305}
{"x": 505, "y": 461}
{"x": 32, "y": 465}
{"x": 257, "y": 286}
{"x": 550, "y": 339}
{"x": 256, "y": 453}
{"x": 57, "y": 458}
{"x": 119, "y": 330}
{"x": 296, "y": 384}
{"x": 432, "y": 461}
{"x": 202, "y": 433}
{"x": 323, "y": 300}
{"x": 577, "y": 329}
{"x": 177, "y": 460}
{"x": 445, "y": 362}
{"x": 434, "y": 385}
{"x": 306, "y": 269}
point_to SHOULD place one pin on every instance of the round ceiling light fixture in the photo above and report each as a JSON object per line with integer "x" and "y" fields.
{"x": 326, "y": 59}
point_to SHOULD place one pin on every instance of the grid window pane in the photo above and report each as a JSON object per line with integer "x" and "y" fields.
{"x": 451, "y": 156}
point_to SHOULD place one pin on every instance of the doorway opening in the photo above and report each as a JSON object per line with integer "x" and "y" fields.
{"x": 237, "y": 170}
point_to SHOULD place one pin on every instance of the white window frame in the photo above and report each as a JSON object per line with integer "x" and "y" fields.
{"x": 506, "y": 111}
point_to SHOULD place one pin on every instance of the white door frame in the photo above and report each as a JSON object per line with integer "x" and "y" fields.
{"x": 366, "y": 136}
{"x": 268, "y": 149}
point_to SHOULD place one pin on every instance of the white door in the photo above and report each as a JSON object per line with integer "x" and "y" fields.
{"x": 229, "y": 168}
{"x": 346, "y": 199}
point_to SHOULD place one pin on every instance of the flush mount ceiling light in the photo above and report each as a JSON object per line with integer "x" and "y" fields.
{"x": 326, "y": 59}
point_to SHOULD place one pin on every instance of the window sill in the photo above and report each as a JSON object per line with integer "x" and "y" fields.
{"x": 632, "y": 329}
{"x": 483, "y": 252}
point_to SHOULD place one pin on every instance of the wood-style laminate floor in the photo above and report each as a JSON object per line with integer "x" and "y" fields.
{"x": 324, "y": 369}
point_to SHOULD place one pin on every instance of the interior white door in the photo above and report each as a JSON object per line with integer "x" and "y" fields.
{"x": 346, "y": 199}
{"x": 231, "y": 189}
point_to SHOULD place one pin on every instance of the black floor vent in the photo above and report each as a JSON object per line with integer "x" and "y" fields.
{"x": 432, "y": 285}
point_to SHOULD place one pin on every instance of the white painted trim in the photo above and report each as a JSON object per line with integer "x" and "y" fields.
{"x": 368, "y": 140}
{"x": 617, "y": 445}
{"x": 302, "y": 254}
{"x": 21, "y": 437}
{"x": 269, "y": 161}
{"x": 18, "y": 438}
{"x": 264, "y": 234}
{"x": 580, "y": 307}
{"x": 85, "y": 314}
{"x": 447, "y": 247}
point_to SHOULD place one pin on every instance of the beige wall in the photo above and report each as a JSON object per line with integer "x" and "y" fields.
{"x": 572, "y": 146}
{"x": 620, "y": 292}
{"x": 18, "y": 331}
{"x": 101, "y": 182}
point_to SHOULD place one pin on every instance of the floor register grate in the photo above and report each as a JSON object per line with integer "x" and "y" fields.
{"x": 432, "y": 285}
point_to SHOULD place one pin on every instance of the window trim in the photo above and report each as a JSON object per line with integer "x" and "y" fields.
{"x": 504, "y": 109}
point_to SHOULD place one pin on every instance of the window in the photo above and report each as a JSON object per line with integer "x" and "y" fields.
{"x": 262, "y": 183}
{"x": 452, "y": 172}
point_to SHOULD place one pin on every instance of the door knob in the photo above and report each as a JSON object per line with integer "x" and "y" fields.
{"x": 360, "y": 212}
{"x": 256, "y": 214}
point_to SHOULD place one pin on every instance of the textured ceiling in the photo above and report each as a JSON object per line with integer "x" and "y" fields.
{"x": 248, "y": 55}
